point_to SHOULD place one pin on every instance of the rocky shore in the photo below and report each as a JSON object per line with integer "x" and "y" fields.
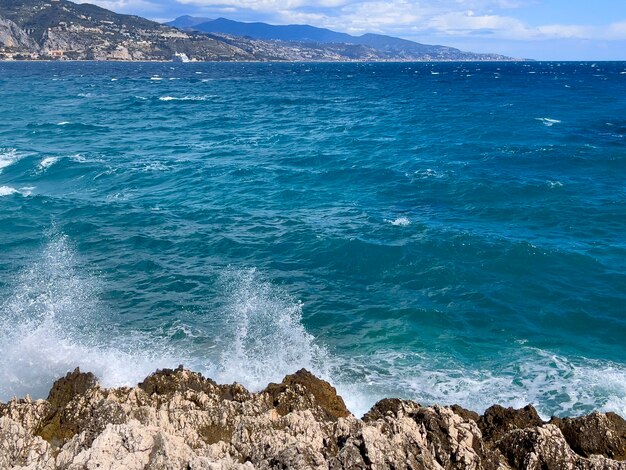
{"x": 177, "y": 419}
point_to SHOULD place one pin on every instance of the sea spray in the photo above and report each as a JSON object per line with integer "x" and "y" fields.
{"x": 53, "y": 322}
{"x": 263, "y": 329}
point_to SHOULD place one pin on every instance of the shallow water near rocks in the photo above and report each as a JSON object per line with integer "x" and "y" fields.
{"x": 448, "y": 237}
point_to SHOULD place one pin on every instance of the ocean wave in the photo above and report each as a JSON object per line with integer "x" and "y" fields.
{"x": 8, "y": 190}
{"x": 548, "y": 121}
{"x": 400, "y": 222}
{"x": 8, "y": 156}
{"x": 185, "y": 98}
{"x": 47, "y": 162}
{"x": 53, "y": 319}
{"x": 554, "y": 184}
{"x": 264, "y": 330}
{"x": 555, "y": 385}
{"x": 52, "y": 322}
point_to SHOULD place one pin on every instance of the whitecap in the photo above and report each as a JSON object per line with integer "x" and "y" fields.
{"x": 47, "y": 163}
{"x": 78, "y": 158}
{"x": 554, "y": 184}
{"x": 8, "y": 156}
{"x": 63, "y": 123}
{"x": 428, "y": 173}
{"x": 548, "y": 121}
{"x": 154, "y": 166}
{"x": 156, "y": 78}
{"x": 7, "y": 190}
{"x": 400, "y": 222}
{"x": 184, "y": 98}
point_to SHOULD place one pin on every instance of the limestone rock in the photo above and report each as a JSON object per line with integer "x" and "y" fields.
{"x": 177, "y": 419}
{"x": 596, "y": 434}
{"x": 325, "y": 395}
{"x": 498, "y": 421}
{"x": 545, "y": 448}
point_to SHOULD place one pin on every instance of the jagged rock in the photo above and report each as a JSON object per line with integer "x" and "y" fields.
{"x": 545, "y": 448}
{"x": 596, "y": 434}
{"x": 177, "y": 419}
{"x": 467, "y": 414}
{"x": 284, "y": 395}
{"x": 169, "y": 381}
{"x": 497, "y": 421}
{"x": 74, "y": 383}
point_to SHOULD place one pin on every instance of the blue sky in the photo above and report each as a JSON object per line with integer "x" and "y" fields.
{"x": 538, "y": 29}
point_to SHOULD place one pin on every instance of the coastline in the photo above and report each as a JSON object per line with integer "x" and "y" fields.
{"x": 272, "y": 61}
{"x": 179, "y": 419}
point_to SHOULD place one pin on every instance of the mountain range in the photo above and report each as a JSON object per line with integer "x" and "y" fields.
{"x": 387, "y": 46}
{"x": 60, "y": 29}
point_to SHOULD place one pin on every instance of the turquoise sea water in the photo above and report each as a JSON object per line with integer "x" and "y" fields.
{"x": 450, "y": 233}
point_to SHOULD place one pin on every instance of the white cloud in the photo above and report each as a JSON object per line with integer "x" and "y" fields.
{"x": 127, "y": 6}
{"x": 412, "y": 19}
{"x": 616, "y": 31}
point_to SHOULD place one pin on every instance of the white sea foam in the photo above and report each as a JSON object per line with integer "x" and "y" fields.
{"x": 184, "y": 98}
{"x": 47, "y": 163}
{"x": 554, "y": 184}
{"x": 63, "y": 123}
{"x": 8, "y": 156}
{"x": 400, "y": 222}
{"x": 428, "y": 173}
{"x": 7, "y": 190}
{"x": 78, "y": 158}
{"x": 156, "y": 78}
{"x": 553, "y": 384}
{"x": 548, "y": 121}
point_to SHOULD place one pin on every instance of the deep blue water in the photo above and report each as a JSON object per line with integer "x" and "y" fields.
{"x": 450, "y": 232}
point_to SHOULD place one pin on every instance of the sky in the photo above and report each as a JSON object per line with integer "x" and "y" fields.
{"x": 534, "y": 29}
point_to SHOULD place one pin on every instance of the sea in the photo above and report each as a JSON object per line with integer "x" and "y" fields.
{"x": 441, "y": 232}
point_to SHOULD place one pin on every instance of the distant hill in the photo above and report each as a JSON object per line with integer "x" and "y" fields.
{"x": 187, "y": 22}
{"x": 388, "y": 47}
{"x": 46, "y": 29}
{"x": 63, "y": 30}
